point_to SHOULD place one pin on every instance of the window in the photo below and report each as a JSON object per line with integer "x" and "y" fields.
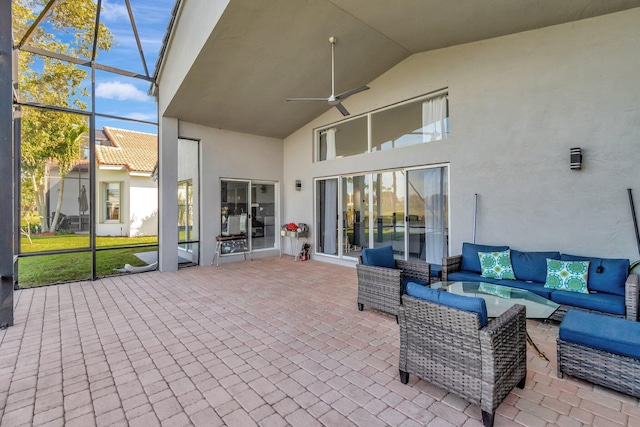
{"x": 405, "y": 208}
{"x": 185, "y": 210}
{"x": 343, "y": 139}
{"x": 111, "y": 200}
{"x": 413, "y": 122}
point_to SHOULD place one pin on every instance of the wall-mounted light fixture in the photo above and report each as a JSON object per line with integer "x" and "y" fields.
{"x": 298, "y": 185}
{"x": 576, "y": 158}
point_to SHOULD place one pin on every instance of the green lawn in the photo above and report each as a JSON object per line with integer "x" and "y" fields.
{"x": 73, "y": 241}
{"x": 47, "y": 269}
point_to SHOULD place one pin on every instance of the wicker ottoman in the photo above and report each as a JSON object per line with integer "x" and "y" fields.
{"x": 600, "y": 349}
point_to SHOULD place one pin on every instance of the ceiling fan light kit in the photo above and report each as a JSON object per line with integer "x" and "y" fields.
{"x": 334, "y": 100}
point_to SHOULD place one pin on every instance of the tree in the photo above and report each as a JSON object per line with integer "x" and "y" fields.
{"x": 50, "y": 136}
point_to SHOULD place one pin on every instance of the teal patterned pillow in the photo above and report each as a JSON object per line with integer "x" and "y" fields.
{"x": 496, "y": 265}
{"x": 567, "y": 275}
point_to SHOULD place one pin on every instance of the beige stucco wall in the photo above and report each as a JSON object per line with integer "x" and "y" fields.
{"x": 143, "y": 211}
{"x": 518, "y": 104}
{"x": 113, "y": 228}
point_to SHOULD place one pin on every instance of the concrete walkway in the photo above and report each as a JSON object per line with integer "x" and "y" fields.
{"x": 270, "y": 342}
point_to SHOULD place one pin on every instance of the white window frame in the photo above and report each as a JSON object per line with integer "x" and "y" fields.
{"x": 104, "y": 202}
{"x": 422, "y": 98}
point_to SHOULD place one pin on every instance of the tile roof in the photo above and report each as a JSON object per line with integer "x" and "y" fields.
{"x": 137, "y": 151}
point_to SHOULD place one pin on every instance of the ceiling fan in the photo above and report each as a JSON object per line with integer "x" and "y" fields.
{"x": 334, "y": 100}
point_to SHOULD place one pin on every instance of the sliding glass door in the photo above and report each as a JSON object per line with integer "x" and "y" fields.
{"x": 263, "y": 215}
{"x": 428, "y": 214}
{"x": 406, "y": 209}
{"x": 327, "y": 216}
{"x": 188, "y": 202}
{"x": 388, "y": 211}
{"x": 355, "y": 214}
{"x": 248, "y": 208}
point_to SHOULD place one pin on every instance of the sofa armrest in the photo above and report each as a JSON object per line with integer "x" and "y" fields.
{"x": 386, "y": 276}
{"x": 631, "y": 297}
{"x": 420, "y": 271}
{"x": 450, "y": 265}
{"x": 503, "y": 344}
{"x": 379, "y": 287}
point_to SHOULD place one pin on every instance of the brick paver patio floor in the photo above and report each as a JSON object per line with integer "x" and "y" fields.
{"x": 270, "y": 342}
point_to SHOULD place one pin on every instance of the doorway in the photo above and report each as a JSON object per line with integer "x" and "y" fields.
{"x": 248, "y": 208}
{"x": 188, "y": 202}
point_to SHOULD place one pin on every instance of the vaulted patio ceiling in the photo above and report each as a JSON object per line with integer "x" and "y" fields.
{"x": 261, "y": 52}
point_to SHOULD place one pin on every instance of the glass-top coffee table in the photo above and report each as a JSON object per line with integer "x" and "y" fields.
{"x": 501, "y": 298}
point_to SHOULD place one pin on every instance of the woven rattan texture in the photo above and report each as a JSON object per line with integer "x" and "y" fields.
{"x": 445, "y": 347}
{"x": 617, "y": 372}
{"x": 381, "y": 288}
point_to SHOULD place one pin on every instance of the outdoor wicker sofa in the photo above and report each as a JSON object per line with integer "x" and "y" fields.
{"x": 611, "y": 289}
{"x": 448, "y": 347}
{"x": 382, "y": 287}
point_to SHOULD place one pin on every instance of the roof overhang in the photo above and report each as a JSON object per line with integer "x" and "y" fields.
{"x": 260, "y": 53}
{"x": 113, "y": 167}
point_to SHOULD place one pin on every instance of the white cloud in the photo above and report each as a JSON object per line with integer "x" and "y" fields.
{"x": 114, "y": 11}
{"x": 120, "y": 91}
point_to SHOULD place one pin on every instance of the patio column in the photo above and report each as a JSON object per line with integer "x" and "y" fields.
{"x": 6, "y": 167}
{"x": 168, "y": 195}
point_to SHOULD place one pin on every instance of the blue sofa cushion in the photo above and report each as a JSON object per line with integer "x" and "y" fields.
{"x": 531, "y": 265}
{"x": 379, "y": 257}
{"x": 615, "y": 335}
{"x": 461, "y": 302}
{"x": 536, "y": 288}
{"x": 469, "y": 276}
{"x": 612, "y": 278}
{"x": 436, "y": 270}
{"x": 607, "y": 303}
{"x": 470, "y": 260}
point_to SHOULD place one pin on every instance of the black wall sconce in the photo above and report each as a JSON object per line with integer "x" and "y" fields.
{"x": 576, "y": 158}
{"x": 298, "y": 185}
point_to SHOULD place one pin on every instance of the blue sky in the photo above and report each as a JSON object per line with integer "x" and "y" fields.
{"x": 123, "y": 96}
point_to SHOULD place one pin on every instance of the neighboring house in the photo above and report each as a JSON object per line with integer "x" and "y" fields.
{"x": 484, "y": 100}
{"x": 127, "y": 194}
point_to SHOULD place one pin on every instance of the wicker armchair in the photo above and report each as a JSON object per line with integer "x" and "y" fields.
{"x": 445, "y": 347}
{"x": 381, "y": 288}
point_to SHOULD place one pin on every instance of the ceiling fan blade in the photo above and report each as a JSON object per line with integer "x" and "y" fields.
{"x": 307, "y": 99}
{"x": 342, "y": 109}
{"x": 348, "y": 93}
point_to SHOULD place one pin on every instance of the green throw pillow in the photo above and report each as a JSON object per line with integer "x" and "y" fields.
{"x": 567, "y": 275}
{"x": 496, "y": 265}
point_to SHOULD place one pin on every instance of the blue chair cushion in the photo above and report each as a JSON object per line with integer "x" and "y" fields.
{"x": 407, "y": 280}
{"x": 470, "y": 260}
{"x": 531, "y": 265}
{"x": 612, "y": 334}
{"x": 379, "y": 257}
{"x": 612, "y": 278}
{"x": 469, "y": 276}
{"x": 608, "y": 303}
{"x": 436, "y": 270}
{"x": 461, "y": 302}
{"x": 536, "y": 288}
